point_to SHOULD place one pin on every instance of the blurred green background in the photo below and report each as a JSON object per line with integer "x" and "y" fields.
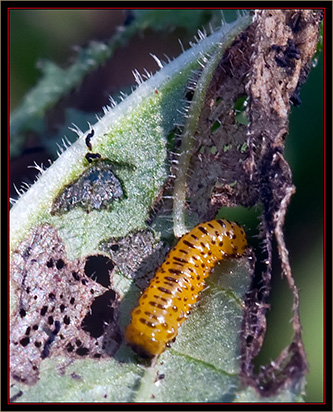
{"x": 53, "y": 34}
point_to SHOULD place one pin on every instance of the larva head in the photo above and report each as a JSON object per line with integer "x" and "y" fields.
{"x": 144, "y": 345}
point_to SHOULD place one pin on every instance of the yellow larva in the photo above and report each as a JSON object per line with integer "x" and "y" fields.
{"x": 167, "y": 301}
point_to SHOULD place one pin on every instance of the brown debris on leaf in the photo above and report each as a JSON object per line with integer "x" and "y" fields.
{"x": 56, "y": 306}
{"x": 285, "y": 42}
{"x": 136, "y": 255}
{"x": 217, "y": 175}
{"x": 238, "y": 158}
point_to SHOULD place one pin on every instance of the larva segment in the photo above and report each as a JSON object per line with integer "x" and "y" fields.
{"x": 171, "y": 294}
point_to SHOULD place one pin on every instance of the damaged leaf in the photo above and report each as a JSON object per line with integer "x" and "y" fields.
{"x": 54, "y": 300}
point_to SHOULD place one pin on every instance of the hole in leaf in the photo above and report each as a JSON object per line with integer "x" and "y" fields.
{"x": 98, "y": 268}
{"x": 100, "y": 313}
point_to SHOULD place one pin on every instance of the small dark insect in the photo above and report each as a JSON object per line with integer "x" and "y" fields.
{"x": 88, "y": 138}
{"x": 91, "y": 156}
{"x": 175, "y": 288}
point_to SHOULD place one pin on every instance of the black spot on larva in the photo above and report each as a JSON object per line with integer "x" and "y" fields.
{"x": 158, "y": 305}
{"x": 161, "y": 298}
{"x": 146, "y": 322}
{"x": 52, "y": 296}
{"x": 220, "y": 222}
{"x": 151, "y": 315}
{"x": 175, "y": 271}
{"x": 49, "y": 263}
{"x": 168, "y": 284}
{"x": 203, "y": 230}
{"x": 98, "y": 268}
{"x": 96, "y": 188}
{"x": 189, "y": 244}
{"x": 180, "y": 259}
{"x": 164, "y": 290}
